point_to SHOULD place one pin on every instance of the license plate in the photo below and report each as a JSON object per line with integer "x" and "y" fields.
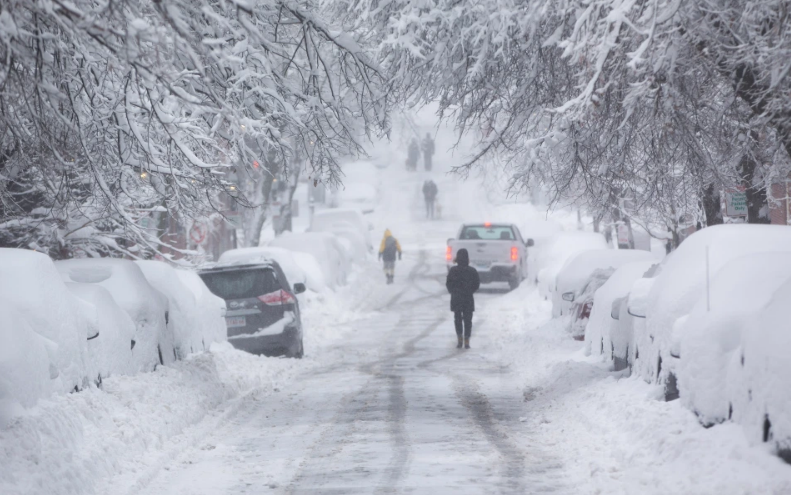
{"x": 235, "y": 321}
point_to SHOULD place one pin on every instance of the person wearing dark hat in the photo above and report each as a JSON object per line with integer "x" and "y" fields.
{"x": 462, "y": 282}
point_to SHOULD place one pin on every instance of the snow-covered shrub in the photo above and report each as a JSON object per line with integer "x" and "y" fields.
{"x": 576, "y": 271}
{"x": 210, "y": 310}
{"x": 681, "y": 283}
{"x": 146, "y": 306}
{"x": 713, "y": 336}
{"x": 31, "y": 285}
{"x": 605, "y": 335}
{"x": 551, "y": 258}
{"x": 111, "y": 330}
{"x": 27, "y": 364}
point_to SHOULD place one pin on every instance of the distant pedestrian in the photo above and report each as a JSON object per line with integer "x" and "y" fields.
{"x": 428, "y": 150}
{"x": 413, "y": 155}
{"x": 462, "y": 282}
{"x": 387, "y": 253}
{"x": 430, "y": 196}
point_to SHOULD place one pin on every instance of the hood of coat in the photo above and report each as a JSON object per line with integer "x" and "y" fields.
{"x": 388, "y": 233}
{"x": 463, "y": 257}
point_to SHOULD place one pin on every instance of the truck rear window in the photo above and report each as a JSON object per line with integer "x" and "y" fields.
{"x": 491, "y": 233}
{"x": 241, "y": 284}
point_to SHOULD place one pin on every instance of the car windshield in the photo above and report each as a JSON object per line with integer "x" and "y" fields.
{"x": 491, "y": 233}
{"x": 240, "y": 284}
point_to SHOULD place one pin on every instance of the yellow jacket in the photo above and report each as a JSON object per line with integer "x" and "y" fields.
{"x": 384, "y": 241}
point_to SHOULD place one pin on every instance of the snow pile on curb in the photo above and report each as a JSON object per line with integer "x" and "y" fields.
{"x": 68, "y": 442}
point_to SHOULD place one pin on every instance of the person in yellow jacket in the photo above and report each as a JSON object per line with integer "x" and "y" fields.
{"x": 387, "y": 252}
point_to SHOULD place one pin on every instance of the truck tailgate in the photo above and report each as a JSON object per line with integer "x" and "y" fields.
{"x": 484, "y": 253}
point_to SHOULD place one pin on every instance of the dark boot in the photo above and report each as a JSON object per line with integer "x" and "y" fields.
{"x": 458, "y": 346}
{"x": 467, "y": 343}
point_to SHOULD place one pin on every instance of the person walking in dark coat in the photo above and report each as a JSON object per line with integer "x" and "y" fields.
{"x": 462, "y": 283}
{"x": 428, "y": 150}
{"x": 430, "y": 195}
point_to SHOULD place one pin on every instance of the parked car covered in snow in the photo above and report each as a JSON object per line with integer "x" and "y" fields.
{"x": 41, "y": 302}
{"x": 145, "y": 305}
{"x": 583, "y": 302}
{"x": 609, "y": 329}
{"x": 578, "y": 269}
{"x": 324, "y": 220}
{"x": 111, "y": 338}
{"x": 324, "y": 247}
{"x": 299, "y": 267}
{"x": 263, "y": 314}
{"x": 554, "y": 255}
{"x": 682, "y": 281}
{"x": 720, "y": 336}
{"x": 192, "y": 326}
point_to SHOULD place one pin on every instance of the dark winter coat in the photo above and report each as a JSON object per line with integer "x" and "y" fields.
{"x": 429, "y": 190}
{"x": 462, "y": 283}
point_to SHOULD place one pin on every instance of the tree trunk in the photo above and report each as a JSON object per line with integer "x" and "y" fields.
{"x": 757, "y": 204}
{"x": 712, "y": 205}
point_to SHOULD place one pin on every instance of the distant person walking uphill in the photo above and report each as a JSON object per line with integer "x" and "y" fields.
{"x": 428, "y": 150}
{"x": 388, "y": 249}
{"x": 462, "y": 282}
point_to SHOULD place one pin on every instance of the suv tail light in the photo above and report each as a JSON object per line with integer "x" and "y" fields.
{"x": 514, "y": 253}
{"x": 449, "y": 253}
{"x": 277, "y": 298}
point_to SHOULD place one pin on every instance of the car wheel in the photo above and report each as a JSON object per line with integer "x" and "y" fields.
{"x": 300, "y": 352}
{"x": 513, "y": 283}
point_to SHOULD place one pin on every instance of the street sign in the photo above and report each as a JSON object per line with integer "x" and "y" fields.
{"x": 198, "y": 232}
{"x": 736, "y": 202}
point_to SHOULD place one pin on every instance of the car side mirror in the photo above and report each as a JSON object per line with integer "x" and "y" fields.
{"x": 615, "y": 311}
{"x": 568, "y": 296}
{"x": 93, "y": 336}
{"x": 299, "y": 288}
{"x": 530, "y": 243}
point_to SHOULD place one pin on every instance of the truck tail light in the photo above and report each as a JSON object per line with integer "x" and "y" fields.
{"x": 449, "y": 253}
{"x": 514, "y": 253}
{"x": 277, "y": 298}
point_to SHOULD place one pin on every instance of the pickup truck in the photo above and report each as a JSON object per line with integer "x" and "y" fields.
{"x": 497, "y": 251}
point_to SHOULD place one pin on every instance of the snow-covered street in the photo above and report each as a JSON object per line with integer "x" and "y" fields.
{"x": 383, "y": 402}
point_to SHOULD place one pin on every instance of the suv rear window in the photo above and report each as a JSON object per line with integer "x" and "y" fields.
{"x": 491, "y": 233}
{"x": 241, "y": 284}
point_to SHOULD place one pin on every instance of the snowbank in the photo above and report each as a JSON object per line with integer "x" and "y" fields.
{"x": 69, "y": 443}
{"x": 146, "y": 306}
{"x": 32, "y": 286}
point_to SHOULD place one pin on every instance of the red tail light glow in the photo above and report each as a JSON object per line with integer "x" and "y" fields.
{"x": 277, "y": 298}
{"x": 514, "y": 253}
{"x": 449, "y": 253}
